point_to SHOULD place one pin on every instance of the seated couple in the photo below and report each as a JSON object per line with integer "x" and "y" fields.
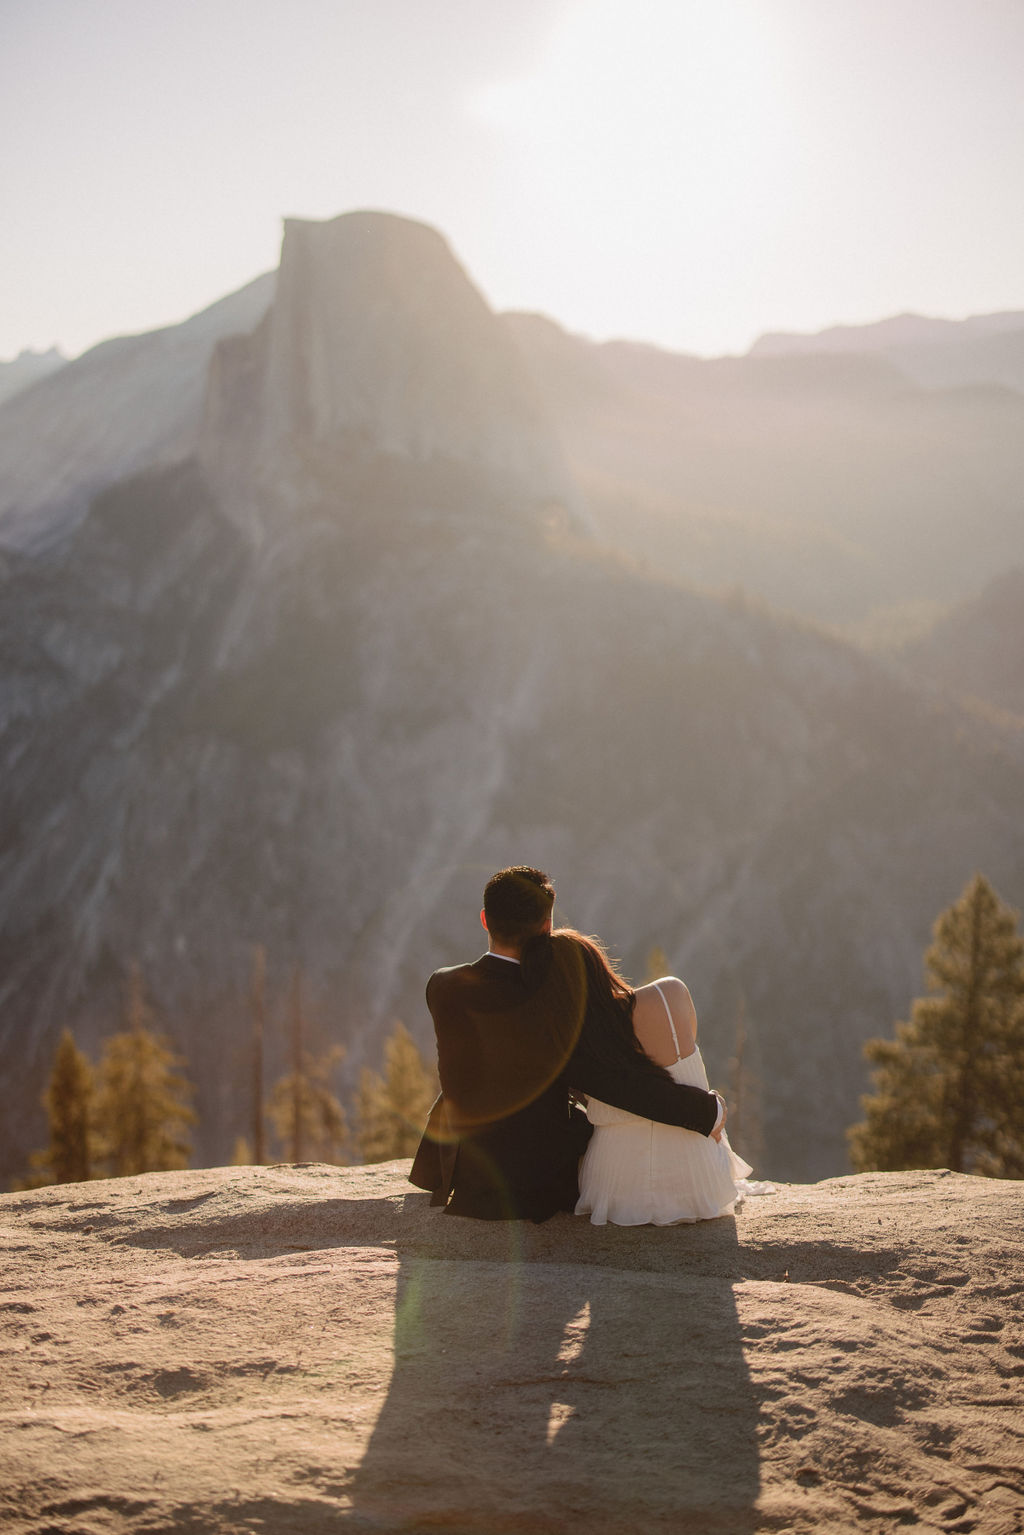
{"x": 524, "y": 1034}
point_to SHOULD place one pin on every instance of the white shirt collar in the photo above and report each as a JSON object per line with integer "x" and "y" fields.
{"x": 507, "y": 957}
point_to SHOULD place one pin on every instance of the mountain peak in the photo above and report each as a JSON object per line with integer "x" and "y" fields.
{"x": 377, "y": 343}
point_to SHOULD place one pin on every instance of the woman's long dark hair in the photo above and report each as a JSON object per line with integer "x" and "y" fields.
{"x": 598, "y": 990}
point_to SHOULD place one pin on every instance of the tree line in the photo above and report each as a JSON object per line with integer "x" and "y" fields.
{"x": 132, "y": 1111}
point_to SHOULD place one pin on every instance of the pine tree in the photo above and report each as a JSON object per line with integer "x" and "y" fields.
{"x": 142, "y": 1101}
{"x": 69, "y": 1103}
{"x": 308, "y": 1119}
{"x": 949, "y": 1087}
{"x": 392, "y": 1109}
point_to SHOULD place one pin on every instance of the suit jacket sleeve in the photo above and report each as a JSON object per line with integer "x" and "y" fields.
{"x": 433, "y": 1166}
{"x": 643, "y": 1093}
{"x": 448, "y": 1030}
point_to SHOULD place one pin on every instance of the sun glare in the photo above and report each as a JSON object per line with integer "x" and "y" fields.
{"x": 672, "y": 116}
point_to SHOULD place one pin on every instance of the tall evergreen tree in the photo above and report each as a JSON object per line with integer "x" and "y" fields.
{"x": 949, "y": 1087}
{"x": 307, "y": 1117}
{"x": 392, "y": 1109}
{"x": 143, "y": 1110}
{"x": 69, "y": 1102}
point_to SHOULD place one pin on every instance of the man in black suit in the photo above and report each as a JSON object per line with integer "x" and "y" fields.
{"x": 504, "y": 1139}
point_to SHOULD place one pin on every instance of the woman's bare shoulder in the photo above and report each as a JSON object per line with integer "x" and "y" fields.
{"x": 650, "y": 1010}
{"x": 671, "y": 987}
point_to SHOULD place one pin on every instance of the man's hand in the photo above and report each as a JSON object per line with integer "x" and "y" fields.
{"x": 716, "y": 1134}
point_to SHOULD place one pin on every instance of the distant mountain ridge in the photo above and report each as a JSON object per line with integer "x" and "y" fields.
{"x": 27, "y": 369}
{"x": 307, "y": 684}
{"x": 829, "y": 483}
{"x": 938, "y": 354}
{"x": 897, "y": 330}
{"x": 124, "y": 405}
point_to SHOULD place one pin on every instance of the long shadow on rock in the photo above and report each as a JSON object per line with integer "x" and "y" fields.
{"x": 289, "y": 1225}
{"x": 563, "y": 1384}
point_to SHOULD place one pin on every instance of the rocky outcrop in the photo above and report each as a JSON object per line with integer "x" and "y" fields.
{"x": 309, "y": 1348}
{"x": 377, "y": 347}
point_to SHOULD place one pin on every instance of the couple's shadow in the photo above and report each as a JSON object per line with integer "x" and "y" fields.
{"x": 560, "y": 1377}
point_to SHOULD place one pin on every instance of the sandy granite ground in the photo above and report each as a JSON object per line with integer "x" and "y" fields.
{"x": 309, "y": 1349}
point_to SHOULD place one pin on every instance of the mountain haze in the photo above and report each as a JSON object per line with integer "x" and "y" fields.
{"x": 368, "y": 636}
{"x": 828, "y": 482}
{"x": 946, "y": 354}
{"x": 977, "y": 649}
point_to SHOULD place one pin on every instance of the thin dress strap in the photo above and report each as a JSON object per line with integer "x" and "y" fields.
{"x": 671, "y": 1024}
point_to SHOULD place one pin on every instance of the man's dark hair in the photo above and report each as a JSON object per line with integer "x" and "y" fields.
{"x": 517, "y": 903}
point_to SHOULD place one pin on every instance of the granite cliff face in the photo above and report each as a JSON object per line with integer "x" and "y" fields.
{"x": 308, "y": 685}
{"x": 377, "y": 347}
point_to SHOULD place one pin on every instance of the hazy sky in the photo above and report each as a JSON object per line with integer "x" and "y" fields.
{"x": 690, "y": 172}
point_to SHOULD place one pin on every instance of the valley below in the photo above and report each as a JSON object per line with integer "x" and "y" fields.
{"x": 373, "y": 591}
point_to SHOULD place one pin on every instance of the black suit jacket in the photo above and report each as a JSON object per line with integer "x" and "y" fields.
{"x": 503, "y": 1140}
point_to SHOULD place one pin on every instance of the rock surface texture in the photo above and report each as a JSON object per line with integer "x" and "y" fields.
{"x": 305, "y": 1349}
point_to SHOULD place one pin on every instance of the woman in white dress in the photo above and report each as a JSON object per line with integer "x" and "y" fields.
{"x": 635, "y": 1171}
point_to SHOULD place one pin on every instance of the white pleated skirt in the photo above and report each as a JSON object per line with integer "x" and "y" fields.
{"x": 636, "y": 1172}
